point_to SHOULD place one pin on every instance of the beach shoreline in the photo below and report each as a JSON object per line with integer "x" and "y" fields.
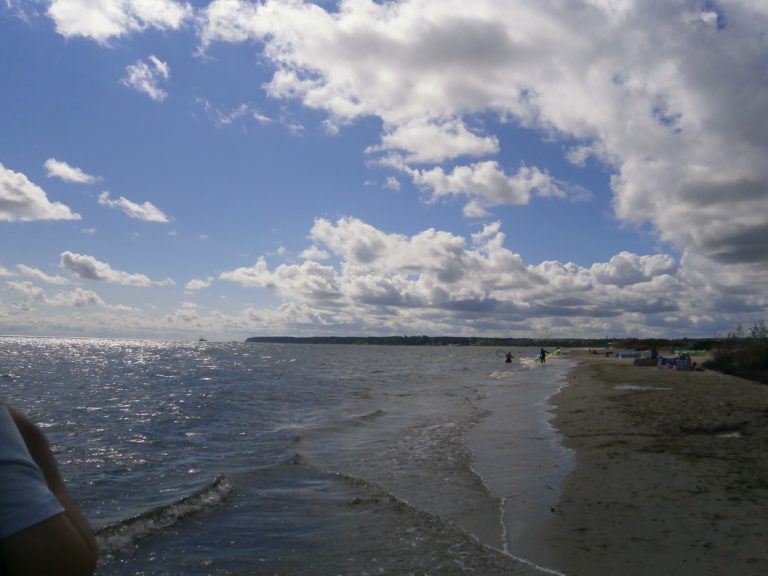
{"x": 671, "y": 473}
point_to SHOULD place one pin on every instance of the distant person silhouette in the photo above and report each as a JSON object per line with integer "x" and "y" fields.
{"x": 543, "y": 355}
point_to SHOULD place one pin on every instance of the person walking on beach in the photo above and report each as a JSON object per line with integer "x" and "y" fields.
{"x": 543, "y": 356}
{"x": 41, "y": 529}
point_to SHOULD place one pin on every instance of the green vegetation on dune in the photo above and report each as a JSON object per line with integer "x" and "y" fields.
{"x": 743, "y": 353}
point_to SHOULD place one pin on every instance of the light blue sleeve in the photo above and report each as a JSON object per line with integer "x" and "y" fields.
{"x": 25, "y": 499}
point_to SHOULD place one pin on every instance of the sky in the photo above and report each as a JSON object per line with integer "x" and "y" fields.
{"x": 228, "y": 168}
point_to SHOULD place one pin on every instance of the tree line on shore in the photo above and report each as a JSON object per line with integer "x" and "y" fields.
{"x": 629, "y": 343}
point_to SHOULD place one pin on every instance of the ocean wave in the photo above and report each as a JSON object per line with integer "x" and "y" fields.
{"x": 371, "y": 415}
{"x": 302, "y": 432}
{"x": 121, "y": 536}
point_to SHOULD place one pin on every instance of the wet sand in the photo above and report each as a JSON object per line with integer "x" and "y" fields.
{"x": 668, "y": 481}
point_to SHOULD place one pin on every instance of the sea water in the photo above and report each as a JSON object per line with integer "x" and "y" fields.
{"x": 252, "y": 458}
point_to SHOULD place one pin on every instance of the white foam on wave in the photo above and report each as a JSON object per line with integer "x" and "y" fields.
{"x": 535, "y": 566}
{"x": 121, "y": 536}
{"x": 531, "y": 362}
{"x": 505, "y": 535}
{"x": 635, "y": 388}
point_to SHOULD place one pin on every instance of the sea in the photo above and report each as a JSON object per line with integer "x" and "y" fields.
{"x": 203, "y": 458}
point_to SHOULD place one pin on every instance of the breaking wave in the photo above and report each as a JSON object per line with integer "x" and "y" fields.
{"x": 120, "y": 536}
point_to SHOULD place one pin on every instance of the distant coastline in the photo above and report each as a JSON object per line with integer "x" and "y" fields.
{"x": 480, "y": 341}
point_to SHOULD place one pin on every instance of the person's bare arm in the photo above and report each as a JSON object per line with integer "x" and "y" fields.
{"x": 61, "y": 545}
{"x": 51, "y": 548}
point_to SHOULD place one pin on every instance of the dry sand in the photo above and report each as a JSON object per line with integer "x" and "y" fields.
{"x": 670, "y": 481}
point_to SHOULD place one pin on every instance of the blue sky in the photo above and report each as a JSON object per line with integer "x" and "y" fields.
{"x": 230, "y": 168}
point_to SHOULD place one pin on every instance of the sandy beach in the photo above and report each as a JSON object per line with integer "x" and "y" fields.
{"x": 671, "y": 473}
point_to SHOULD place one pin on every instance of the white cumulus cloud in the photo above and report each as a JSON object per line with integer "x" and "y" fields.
{"x": 145, "y": 77}
{"x": 89, "y": 268}
{"x": 629, "y": 83}
{"x": 59, "y": 169}
{"x": 40, "y": 275}
{"x": 439, "y": 281}
{"x": 103, "y": 19}
{"x": 30, "y": 293}
{"x": 429, "y": 141}
{"x": 199, "y": 284}
{"x": 145, "y": 211}
{"x": 487, "y": 183}
{"x": 626, "y": 268}
{"x": 78, "y": 298}
{"x": 314, "y": 253}
{"x": 308, "y": 280}
{"x": 23, "y": 201}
